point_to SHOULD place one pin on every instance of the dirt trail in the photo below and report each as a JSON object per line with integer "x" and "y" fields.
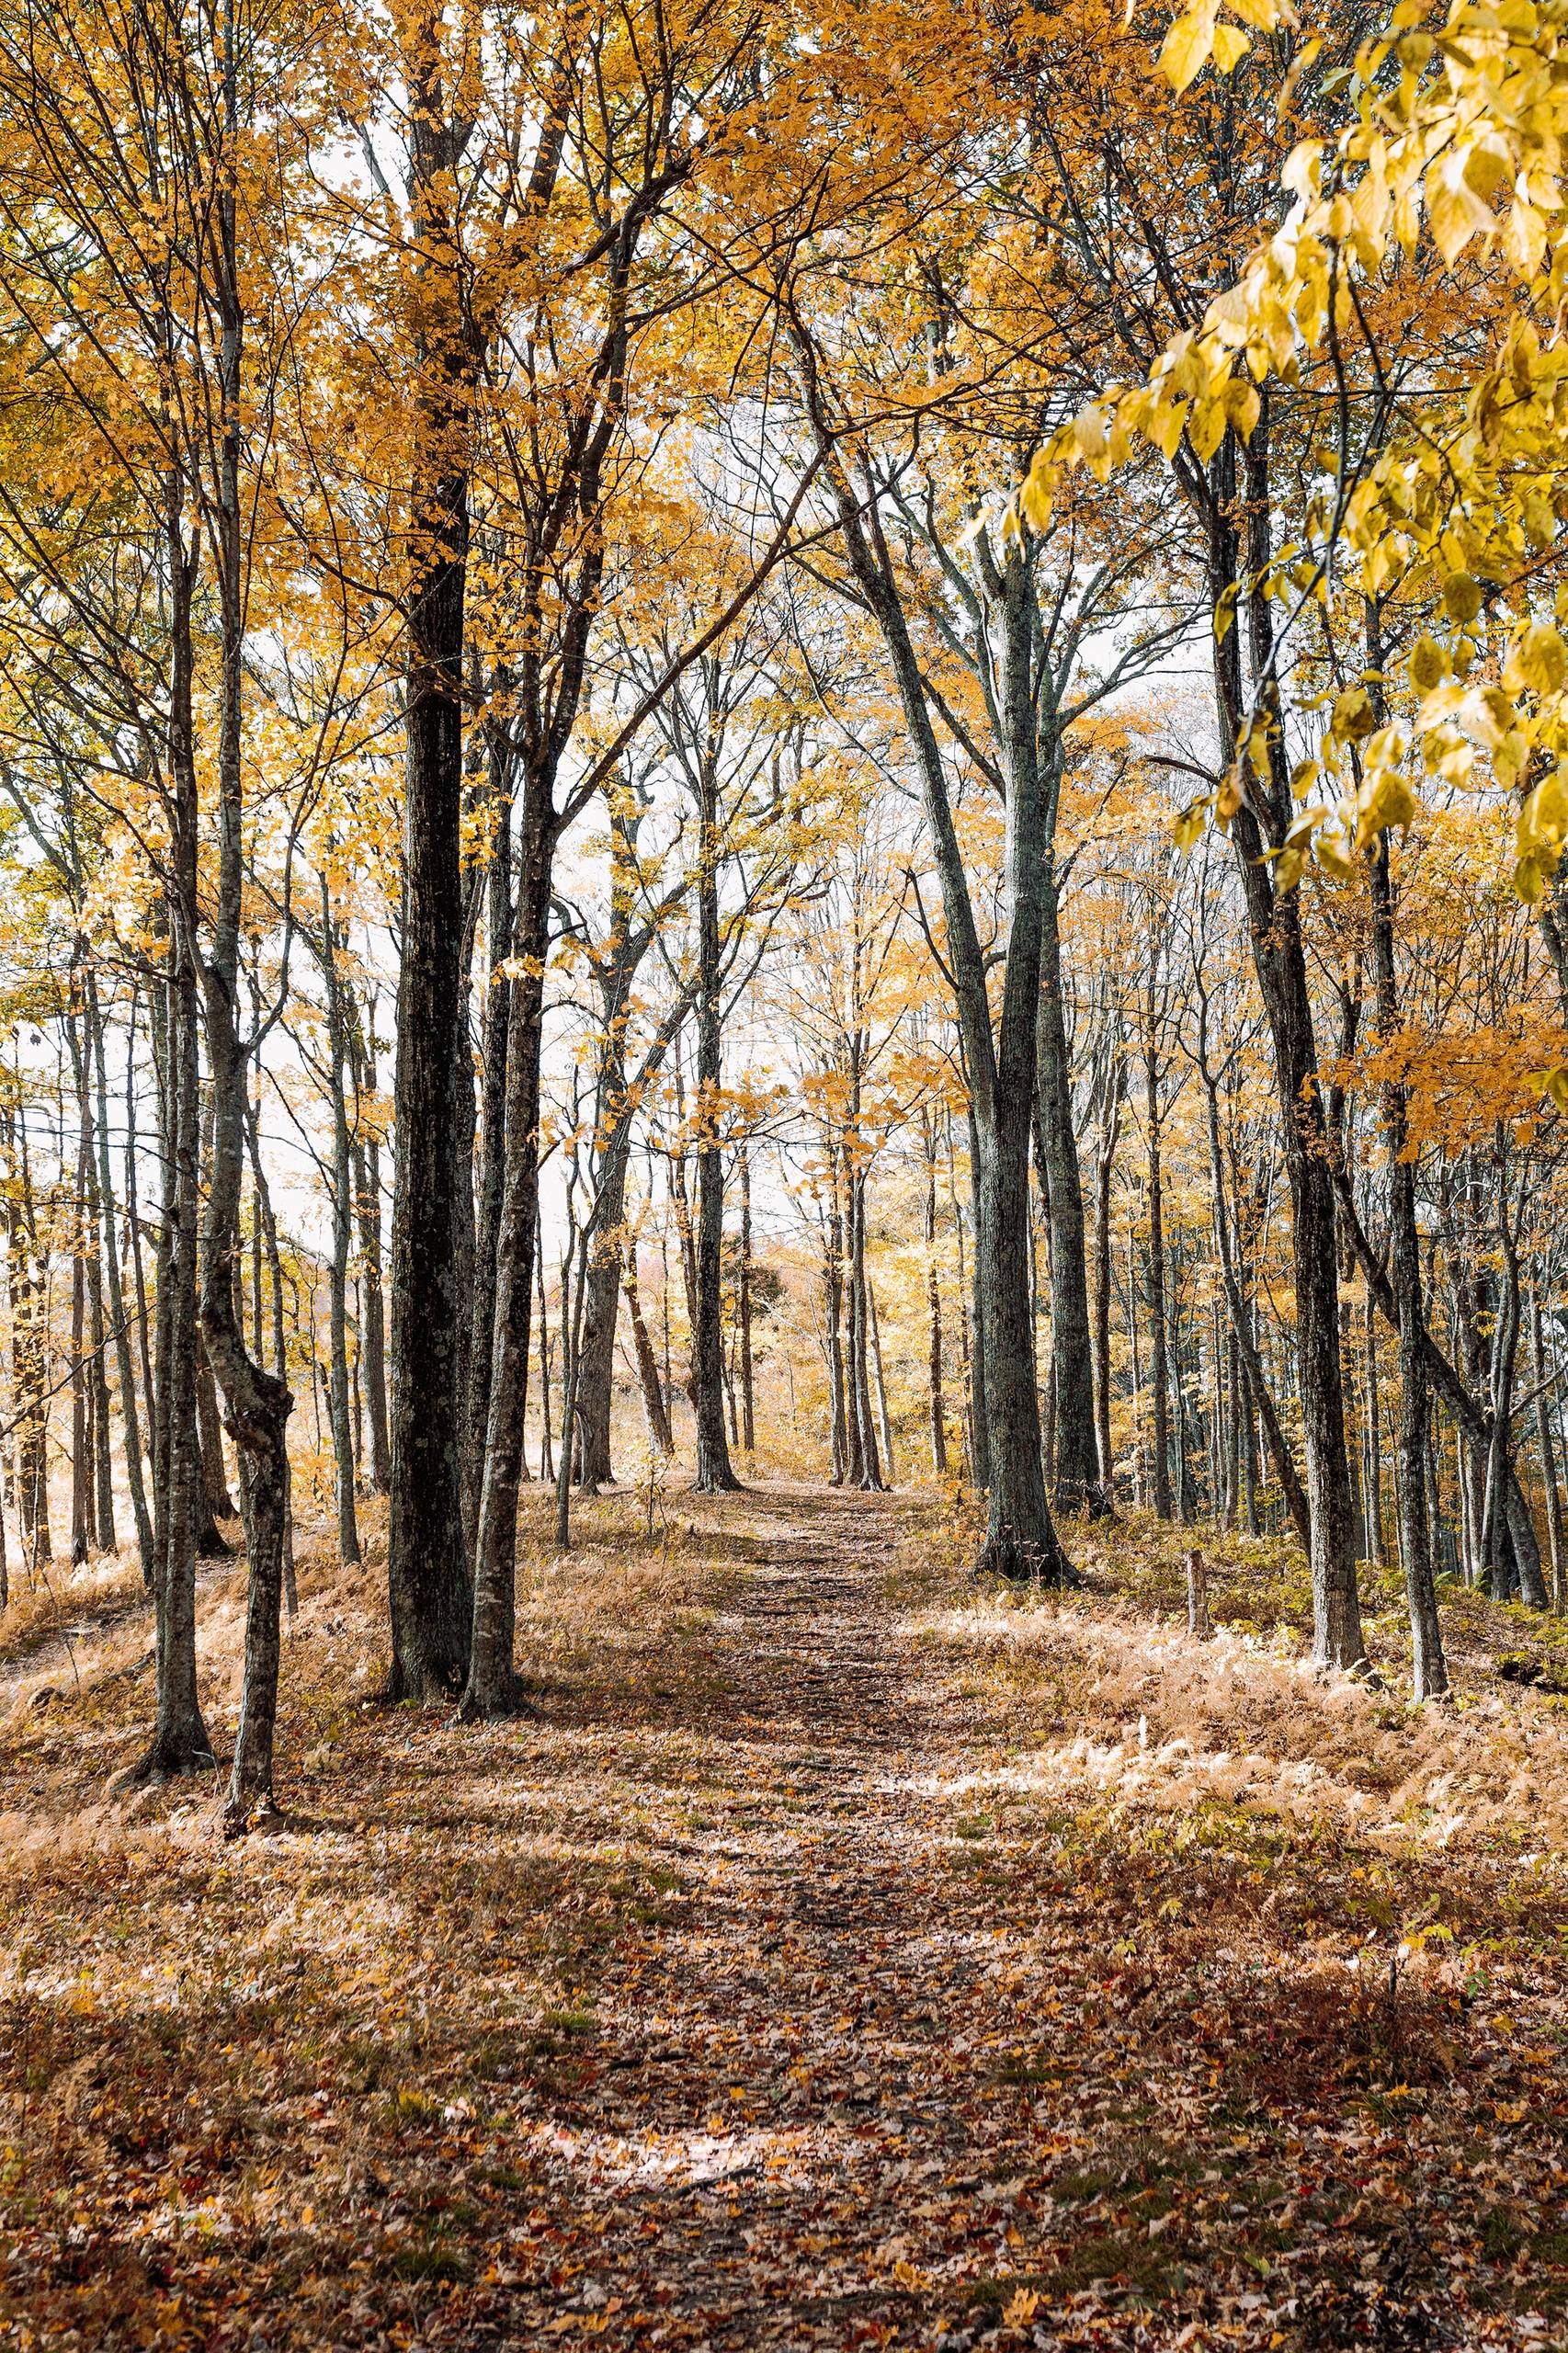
{"x": 756, "y": 1999}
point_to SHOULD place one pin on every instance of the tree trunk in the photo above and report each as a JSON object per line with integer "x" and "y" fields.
{"x": 372, "y": 1306}
{"x": 883, "y": 1422}
{"x": 342, "y": 1230}
{"x": 429, "y": 1591}
{"x": 933, "y": 1306}
{"x": 491, "y": 1688}
{"x": 1077, "y": 1469}
{"x": 1160, "y": 1437}
{"x": 494, "y": 1042}
{"x": 1278, "y": 957}
{"x": 1104, "y": 1163}
{"x": 653, "y": 1406}
{"x": 748, "y": 1401}
{"x": 1547, "y": 1462}
{"x": 1430, "y": 1669}
{"x": 123, "y": 1343}
{"x": 714, "y": 1472}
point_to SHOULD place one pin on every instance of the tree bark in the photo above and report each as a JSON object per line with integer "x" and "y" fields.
{"x": 429, "y": 1591}
{"x": 714, "y": 1470}
{"x": 1077, "y": 1487}
{"x": 342, "y": 1230}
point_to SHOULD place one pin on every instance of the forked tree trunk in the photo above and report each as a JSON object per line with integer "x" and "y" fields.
{"x": 492, "y": 1687}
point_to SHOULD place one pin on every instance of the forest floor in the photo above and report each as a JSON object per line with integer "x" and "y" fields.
{"x": 848, "y": 1957}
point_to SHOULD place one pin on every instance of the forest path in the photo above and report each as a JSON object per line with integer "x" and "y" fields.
{"x": 812, "y": 1974}
{"x": 790, "y": 2110}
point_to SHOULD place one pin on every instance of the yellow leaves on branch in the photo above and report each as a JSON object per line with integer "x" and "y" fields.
{"x": 1461, "y": 131}
{"x": 1199, "y": 35}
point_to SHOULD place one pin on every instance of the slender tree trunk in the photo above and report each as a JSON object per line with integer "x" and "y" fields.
{"x": 1376, "y": 1547}
{"x": 122, "y": 1340}
{"x": 748, "y": 1401}
{"x": 1547, "y": 1462}
{"x": 491, "y": 1688}
{"x": 546, "y": 1456}
{"x": 933, "y": 1306}
{"x": 1430, "y": 1668}
{"x": 82, "y": 1456}
{"x": 372, "y": 1306}
{"x": 979, "y": 1415}
{"x": 883, "y": 1423}
{"x": 1104, "y": 1163}
{"x": 1160, "y": 1435}
{"x": 1076, "y": 1465}
{"x": 871, "y": 1478}
{"x": 429, "y": 1590}
{"x": 1279, "y": 959}
{"x": 342, "y": 1231}
{"x": 653, "y": 1406}
{"x": 493, "y": 1043}
{"x": 714, "y": 1472}
{"x": 833, "y": 1302}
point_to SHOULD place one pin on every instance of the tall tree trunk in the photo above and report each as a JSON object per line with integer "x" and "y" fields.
{"x": 342, "y": 1231}
{"x": 1160, "y": 1419}
{"x": 491, "y": 1688}
{"x": 179, "y": 1743}
{"x": 123, "y": 1341}
{"x": 866, "y": 1449}
{"x": 429, "y": 1591}
{"x": 372, "y": 1305}
{"x": 882, "y": 1421}
{"x": 1376, "y": 1547}
{"x": 714, "y": 1471}
{"x": 833, "y": 1304}
{"x": 1430, "y": 1669}
{"x": 933, "y": 1304}
{"x": 82, "y": 1443}
{"x": 748, "y": 1401}
{"x": 494, "y": 1041}
{"x": 258, "y": 1403}
{"x": 1279, "y": 960}
{"x": 1104, "y": 1163}
{"x": 1547, "y": 1462}
{"x": 1078, "y": 1470}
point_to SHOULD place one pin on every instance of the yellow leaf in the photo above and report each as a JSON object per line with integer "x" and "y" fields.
{"x": 1353, "y": 715}
{"x": 1539, "y": 660}
{"x": 1188, "y": 825}
{"x": 1035, "y": 496}
{"x": 1462, "y": 596}
{"x": 1186, "y": 46}
{"x": 1231, "y": 45}
{"x": 1242, "y": 405}
{"x": 1334, "y": 856}
{"x": 1089, "y": 433}
{"x": 1384, "y": 799}
{"x": 1456, "y": 211}
{"x": 1428, "y": 665}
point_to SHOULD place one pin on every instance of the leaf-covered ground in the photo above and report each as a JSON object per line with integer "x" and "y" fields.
{"x": 850, "y": 1958}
